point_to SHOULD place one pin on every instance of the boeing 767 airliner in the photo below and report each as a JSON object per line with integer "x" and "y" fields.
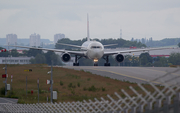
{"x": 92, "y": 50}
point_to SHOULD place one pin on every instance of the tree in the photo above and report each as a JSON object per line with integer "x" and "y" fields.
{"x": 145, "y": 59}
{"x": 120, "y": 42}
{"x": 33, "y": 52}
{"x": 135, "y": 61}
{"x": 127, "y": 60}
{"x": 174, "y": 58}
{"x": 50, "y": 55}
{"x": 14, "y": 53}
{"x": 160, "y": 62}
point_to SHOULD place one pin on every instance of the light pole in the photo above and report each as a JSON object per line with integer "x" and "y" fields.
{"x": 5, "y": 68}
{"x": 38, "y": 89}
{"x": 51, "y": 81}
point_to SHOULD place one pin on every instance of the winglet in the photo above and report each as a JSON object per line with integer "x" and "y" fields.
{"x": 88, "y": 28}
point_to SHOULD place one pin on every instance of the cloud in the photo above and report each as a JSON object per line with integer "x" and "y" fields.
{"x": 157, "y": 19}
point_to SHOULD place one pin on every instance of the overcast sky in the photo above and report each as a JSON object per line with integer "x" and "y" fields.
{"x": 137, "y": 18}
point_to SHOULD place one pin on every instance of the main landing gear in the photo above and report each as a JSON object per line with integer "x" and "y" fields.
{"x": 106, "y": 58}
{"x": 76, "y": 60}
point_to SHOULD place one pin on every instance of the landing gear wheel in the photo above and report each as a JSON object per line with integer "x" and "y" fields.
{"x": 106, "y": 64}
{"x": 76, "y": 60}
{"x": 106, "y": 58}
{"x": 95, "y": 64}
{"x": 75, "y": 64}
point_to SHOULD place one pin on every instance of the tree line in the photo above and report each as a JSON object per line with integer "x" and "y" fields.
{"x": 40, "y": 57}
{"x": 163, "y": 42}
{"x": 120, "y": 43}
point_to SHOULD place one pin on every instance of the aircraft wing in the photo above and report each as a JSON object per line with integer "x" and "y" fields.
{"x": 81, "y": 53}
{"x": 132, "y": 50}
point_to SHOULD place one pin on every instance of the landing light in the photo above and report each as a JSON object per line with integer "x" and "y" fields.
{"x": 95, "y": 60}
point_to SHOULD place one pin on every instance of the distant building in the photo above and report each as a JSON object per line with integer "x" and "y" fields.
{"x": 34, "y": 40}
{"x": 132, "y": 47}
{"x": 58, "y": 37}
{"x": 15, "y": 60}
{"x": 11, "y": 39}
{"x": 19, "y": 51}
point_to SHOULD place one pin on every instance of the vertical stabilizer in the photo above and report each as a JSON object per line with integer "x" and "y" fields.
{"x": 88, "y": 28}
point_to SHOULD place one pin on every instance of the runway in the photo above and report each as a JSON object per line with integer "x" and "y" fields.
{"x": 135, "y": 74}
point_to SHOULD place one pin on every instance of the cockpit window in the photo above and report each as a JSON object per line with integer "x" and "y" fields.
{"x": 95, "y": 47}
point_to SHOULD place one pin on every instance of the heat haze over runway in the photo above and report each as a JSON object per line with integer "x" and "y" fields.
{"x": 135, "y": 74}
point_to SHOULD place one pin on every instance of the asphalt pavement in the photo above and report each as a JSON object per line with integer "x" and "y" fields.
{"x": 8, "y": 100}
{"x": 135, "y": 74}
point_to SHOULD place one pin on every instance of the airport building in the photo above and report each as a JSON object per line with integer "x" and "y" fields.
{"x": 15, "y": 60}
{"x": 11, "y": 39}
{"x": 34, "y": 40}
{"x": 58, "y": 37}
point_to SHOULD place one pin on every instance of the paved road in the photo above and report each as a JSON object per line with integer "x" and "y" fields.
{"x": 135, "y": 74}
{"x": 8, "y": 100}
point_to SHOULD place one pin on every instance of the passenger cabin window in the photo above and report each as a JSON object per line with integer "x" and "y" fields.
{"x": 95, "y": 47}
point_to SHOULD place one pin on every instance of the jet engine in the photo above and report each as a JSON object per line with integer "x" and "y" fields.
{"x": 66, "y": 57}
{"x": 119, "y": 58}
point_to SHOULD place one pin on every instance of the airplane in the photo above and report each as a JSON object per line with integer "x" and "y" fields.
{"x": 92, "y": 50}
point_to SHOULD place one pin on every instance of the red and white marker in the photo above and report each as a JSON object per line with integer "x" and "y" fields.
{"x": 48, "y": 82}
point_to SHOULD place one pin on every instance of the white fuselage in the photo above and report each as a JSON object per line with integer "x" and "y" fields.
{"x": 95, "y": 50}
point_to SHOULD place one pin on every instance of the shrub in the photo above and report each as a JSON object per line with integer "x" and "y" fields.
{"x": 103, "y": 89}
{"x": 70, "y": 85}
{"x": 72, "y": 91}
{"x": 82, "y": 70}
{"x": 84, "y": 88}
{"x": 78, "y": 84}
{"x": 88, "y": 79}
{"x": 61, "y": 83}
{"x": 92, "y": 88}
{"x": 20, "y": 101}
{"x": 73, "y": 86}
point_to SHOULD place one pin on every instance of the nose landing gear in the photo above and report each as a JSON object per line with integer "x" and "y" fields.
{"x": 95, "y": 62}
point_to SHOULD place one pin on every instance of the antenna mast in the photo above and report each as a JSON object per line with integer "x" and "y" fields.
{"x": 120, "y": 33}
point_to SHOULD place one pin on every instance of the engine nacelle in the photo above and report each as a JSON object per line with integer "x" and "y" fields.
{"x": 119, "y": 58}
{"x": 66, "y": 57}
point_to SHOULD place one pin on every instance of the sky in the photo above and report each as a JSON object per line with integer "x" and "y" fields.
{"x": 137, "y": 18}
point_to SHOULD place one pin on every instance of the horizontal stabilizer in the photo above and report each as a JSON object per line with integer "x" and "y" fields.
{"x": 110, "y": 45}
